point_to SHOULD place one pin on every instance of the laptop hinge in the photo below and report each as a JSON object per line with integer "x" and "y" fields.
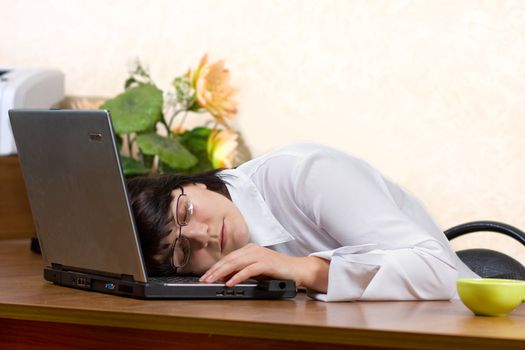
{"x": 128, "y": 278}
{"x": 57, "y": 266}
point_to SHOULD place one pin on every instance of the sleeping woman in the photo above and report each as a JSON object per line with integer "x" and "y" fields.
{"x": 309, "y": 213}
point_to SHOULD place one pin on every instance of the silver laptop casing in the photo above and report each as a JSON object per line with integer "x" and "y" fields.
{"x": 70, "y": 164}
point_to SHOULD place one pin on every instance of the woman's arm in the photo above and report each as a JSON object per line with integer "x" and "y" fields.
{"x": 390, "y": 249}
{"x": 372, "y": 240}
{"x": 252, "y": 261}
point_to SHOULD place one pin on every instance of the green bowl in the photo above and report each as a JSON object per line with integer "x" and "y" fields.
{"x": 490, "y": 296}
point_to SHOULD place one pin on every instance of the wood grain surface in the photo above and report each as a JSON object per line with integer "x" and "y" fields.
{"x": 27, "y": 302}
{"x": 15, "y": 214}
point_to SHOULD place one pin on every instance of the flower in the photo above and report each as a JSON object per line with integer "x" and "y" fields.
{"x": 213, "y": 90}
{"x": 222, "y": 145}
{"x": 150, "y": 123}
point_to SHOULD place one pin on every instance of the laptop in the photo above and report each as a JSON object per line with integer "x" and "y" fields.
{"x": 84, "y": 222}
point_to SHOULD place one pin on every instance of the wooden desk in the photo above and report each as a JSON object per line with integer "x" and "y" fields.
{"x": 36, "y": 314}
{"x": 15, "y": 214}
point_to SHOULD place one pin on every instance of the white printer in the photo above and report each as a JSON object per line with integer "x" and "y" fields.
{"x": 26, "y": 88}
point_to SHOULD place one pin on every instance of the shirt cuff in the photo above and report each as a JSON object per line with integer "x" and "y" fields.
{"x": 345, "y": 284}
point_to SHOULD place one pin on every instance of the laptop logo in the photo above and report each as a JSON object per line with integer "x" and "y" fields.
{"x": 95, "y": 137}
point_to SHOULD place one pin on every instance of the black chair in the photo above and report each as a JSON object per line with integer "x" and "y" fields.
{"x": 489, "y": 263}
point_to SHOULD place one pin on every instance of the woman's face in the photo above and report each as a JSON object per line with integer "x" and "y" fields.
{"x": 215, "y": 229}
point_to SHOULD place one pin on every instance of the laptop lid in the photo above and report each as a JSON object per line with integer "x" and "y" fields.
{"x": 76, "y": 191}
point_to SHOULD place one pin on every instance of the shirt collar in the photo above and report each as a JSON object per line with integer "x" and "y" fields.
{"x": 264, "y": 229}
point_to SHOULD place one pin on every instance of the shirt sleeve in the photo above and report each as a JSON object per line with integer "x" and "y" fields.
{"x": 387, "y": 251}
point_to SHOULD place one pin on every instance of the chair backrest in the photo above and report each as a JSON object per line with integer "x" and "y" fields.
{"x": 489, "y": 263}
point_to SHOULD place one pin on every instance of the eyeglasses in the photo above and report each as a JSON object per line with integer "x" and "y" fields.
{"x": 180, "y": 248}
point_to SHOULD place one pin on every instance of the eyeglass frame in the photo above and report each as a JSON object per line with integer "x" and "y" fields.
{"x": 181, "y": 238}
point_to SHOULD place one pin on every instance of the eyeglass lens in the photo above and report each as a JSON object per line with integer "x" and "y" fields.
{"x": 184, "y": 210}
{"x": 181, "y": 250}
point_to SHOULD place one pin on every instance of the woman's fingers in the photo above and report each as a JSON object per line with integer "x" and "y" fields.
{"x": 223, "y": 271}
{"x": 228, "y": 265}
{"x": 244, "y": 274}
{"x": 244, "y": 263}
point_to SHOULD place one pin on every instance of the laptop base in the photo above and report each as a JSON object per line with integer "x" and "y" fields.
{"x": 269, "y": 289}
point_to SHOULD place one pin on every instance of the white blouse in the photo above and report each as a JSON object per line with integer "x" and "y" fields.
{"x": 307, "y": 199}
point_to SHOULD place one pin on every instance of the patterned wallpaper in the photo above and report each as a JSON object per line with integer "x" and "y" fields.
{"x": 430, "y": 92}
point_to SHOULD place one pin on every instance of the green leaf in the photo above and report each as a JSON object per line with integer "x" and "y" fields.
{"x": 130, "y": 81}
{"x": 196, "y": 140}
{"x": 135, "y": 110}
{"x": 202, "y": 166}
{"x": 170, "y": 151}
{"x": 133, "y": 167}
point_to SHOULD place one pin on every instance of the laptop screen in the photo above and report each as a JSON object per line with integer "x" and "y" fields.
{"x": 77, "y": 191}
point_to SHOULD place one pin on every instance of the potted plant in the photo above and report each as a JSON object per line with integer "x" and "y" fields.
{"x": 150, "y": 123}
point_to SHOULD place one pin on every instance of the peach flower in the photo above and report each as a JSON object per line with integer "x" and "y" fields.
{"x": 222, "y": 145}
{"x": 213, "y": 90}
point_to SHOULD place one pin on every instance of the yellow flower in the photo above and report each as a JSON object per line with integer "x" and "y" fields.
{"x": 221, "y": 148}
{"x": 213, "y": 90}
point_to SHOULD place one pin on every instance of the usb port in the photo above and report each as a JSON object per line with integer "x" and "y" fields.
{"x": 219, "y": 293}
{"x": 81, "y": 282}
{"x": 230, "y": 292}
{"x": 239, "y": 292}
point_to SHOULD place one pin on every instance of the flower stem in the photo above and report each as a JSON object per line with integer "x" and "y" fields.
{"x": 173, "y": 118}
{"x": 155, "y": 165}
{"x": 128, "y": 140}
{"x": 183, "y": 118}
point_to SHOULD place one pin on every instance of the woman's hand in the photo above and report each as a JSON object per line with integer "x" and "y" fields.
{"x": 252, "y": 261}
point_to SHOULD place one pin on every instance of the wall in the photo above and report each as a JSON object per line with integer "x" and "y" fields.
{"x": 430, "y": 92}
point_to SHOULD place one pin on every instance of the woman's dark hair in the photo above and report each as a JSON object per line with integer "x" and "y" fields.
{"x": 150, "y": 199}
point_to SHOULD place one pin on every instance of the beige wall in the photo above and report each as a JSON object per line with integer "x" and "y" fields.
{"x": 430, "y": 92}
